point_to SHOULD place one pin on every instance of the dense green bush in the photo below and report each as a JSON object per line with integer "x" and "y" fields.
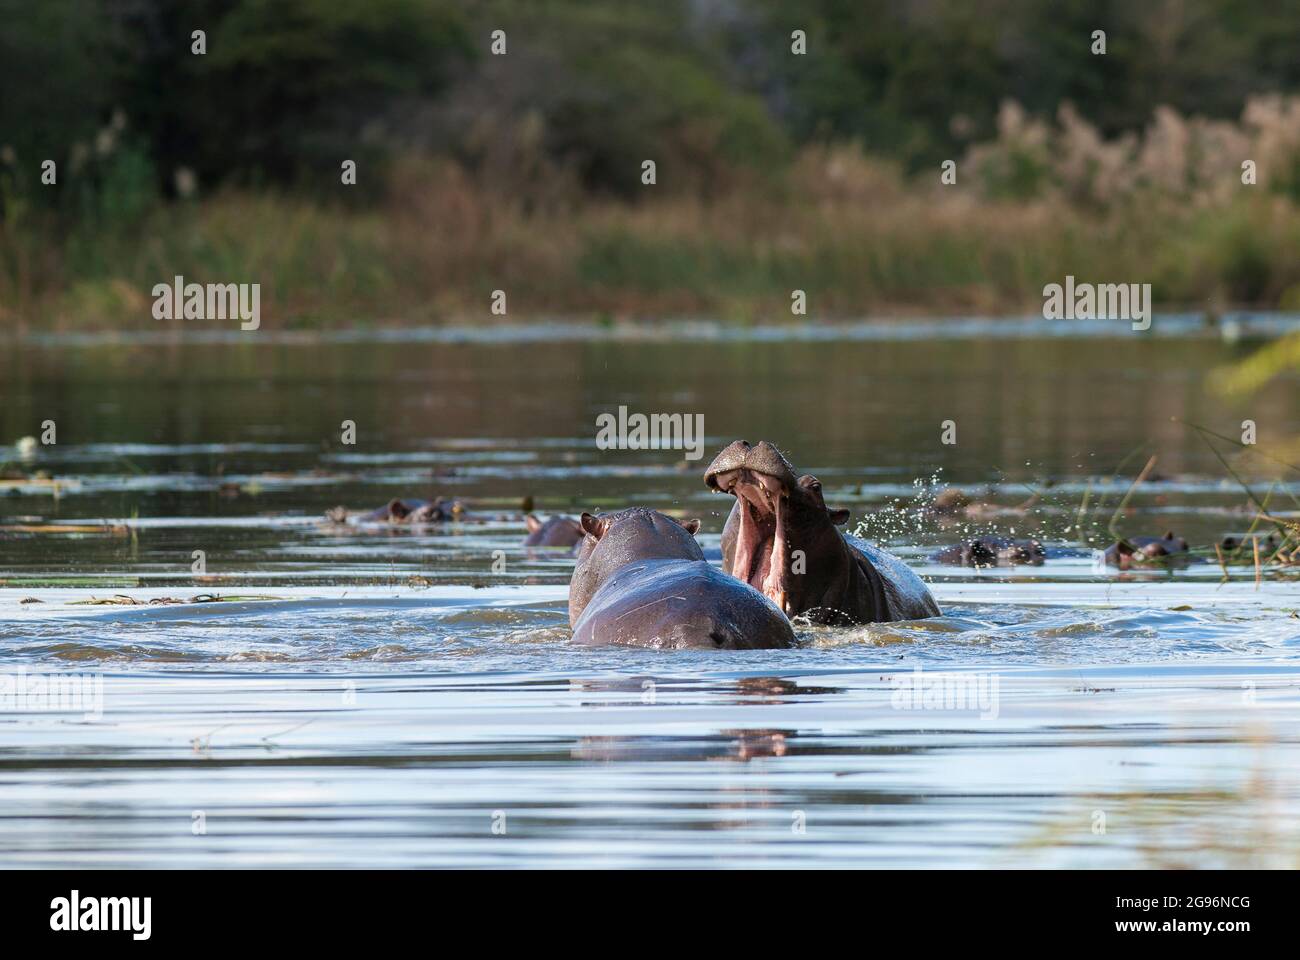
{"x": 591, "y": 88}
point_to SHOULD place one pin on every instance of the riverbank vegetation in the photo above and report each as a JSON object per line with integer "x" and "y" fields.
{"x": 523, "y": 172}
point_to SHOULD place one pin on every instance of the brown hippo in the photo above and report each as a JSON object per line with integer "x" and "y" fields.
{"x": 992, "y": 552}
{"x": 1267, "y": 544}
{"x": 558, "y": 531}
{"x": 409, "y": 512}
{"x": 641, "y": 581}
{"x": 782, "y": 539}
{"x": 1138, "y": 550}
{"x": 950, "y": 501}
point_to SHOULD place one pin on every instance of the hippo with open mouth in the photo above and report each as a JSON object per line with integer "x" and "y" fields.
{"x": 641, "y": 581}
{"x": 836, "y": 578}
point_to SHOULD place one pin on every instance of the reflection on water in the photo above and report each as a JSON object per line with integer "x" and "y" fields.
{"x": 363, "y": 696}
{"x": 366, "y": 769}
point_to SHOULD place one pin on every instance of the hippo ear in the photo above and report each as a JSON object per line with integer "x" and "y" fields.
{"x": 532, "y": 523}
{"x": 594, "y": 527}
{"x": 692, "y": 526}
{"x": 838, "y": 517}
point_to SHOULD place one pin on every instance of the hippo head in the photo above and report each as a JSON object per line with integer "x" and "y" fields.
{"x": 436, "y": 512}
{"x": 1166, "y": 546}
{"x": 558, "y": 531}
{"x": 1023, "y": 551}
{"x": 612, "y": 540}
{"x": 775, "y": 509}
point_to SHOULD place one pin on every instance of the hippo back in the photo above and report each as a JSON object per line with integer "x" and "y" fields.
{"x": 905, "y": 594}
{"x": 672, "y": 604}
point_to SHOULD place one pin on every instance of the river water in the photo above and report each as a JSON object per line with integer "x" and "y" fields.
{"x": 364, "y": 696}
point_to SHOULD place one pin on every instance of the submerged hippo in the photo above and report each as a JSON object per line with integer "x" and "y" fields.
{"x": 950, "y": 501}
{"x": 641, "y": 580}
{"x": 558, "y": 531}
{"x": 1267, "y": 544}
{"x": 992, "y": 552}
{"x": 1125, "y": 553}
{"x": 840, "y": 578}
{"x": 410, "y": 512}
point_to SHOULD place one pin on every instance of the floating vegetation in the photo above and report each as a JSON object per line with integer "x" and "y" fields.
{"x": 14, "y": 483}
{"x": 97, "y": 529}
{"x": 123, "y": 600}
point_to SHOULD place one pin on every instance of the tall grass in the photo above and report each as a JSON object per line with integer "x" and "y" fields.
{"x": 1041, "y": 201}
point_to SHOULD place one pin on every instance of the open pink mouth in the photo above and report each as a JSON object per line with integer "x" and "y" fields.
{"x": 762, "y": 555}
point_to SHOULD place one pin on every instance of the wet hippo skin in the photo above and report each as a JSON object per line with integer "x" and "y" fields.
{"x": 557, "y": 531}
{"x": 839, "y": 579}
{"x": 641, "y": 580}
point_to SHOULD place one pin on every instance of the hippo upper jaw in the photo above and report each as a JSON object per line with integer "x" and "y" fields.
{"x": 763, "y": 459}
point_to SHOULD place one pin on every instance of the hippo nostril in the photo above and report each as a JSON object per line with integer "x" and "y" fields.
{"x": 718, "y": 638}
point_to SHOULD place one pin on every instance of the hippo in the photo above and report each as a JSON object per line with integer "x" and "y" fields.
{"x": 992, "y": 552}
{"x": 1267, "y": 544}
{"x": 558, "y": 531}
{"x": 952, "y": 505}
{"x": 641, "y": 580}
{"x": 1138, "y": 550}
{"x": 950, "y": 501}
{"x": 838, "y": 579}
{"x": 409, "y": 512}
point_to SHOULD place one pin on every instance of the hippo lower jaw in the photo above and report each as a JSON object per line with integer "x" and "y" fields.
{"x": 762, "y": 547}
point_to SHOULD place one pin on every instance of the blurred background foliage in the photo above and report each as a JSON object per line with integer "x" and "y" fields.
{"x": 289, "y": 86}
{"x": 523, "y": 171}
